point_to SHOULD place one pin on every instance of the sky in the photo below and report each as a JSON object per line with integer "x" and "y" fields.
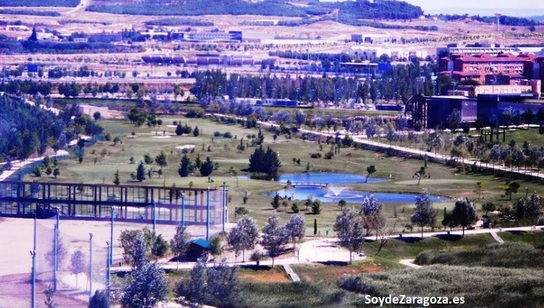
{"x": 536, "y": 6}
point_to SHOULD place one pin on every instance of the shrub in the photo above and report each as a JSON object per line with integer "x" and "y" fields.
{"x": 217, "y": 134}
{"x": 227, "y": 135}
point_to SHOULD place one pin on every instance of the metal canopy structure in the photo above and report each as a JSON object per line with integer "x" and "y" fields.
{"x": 188, "y": 206}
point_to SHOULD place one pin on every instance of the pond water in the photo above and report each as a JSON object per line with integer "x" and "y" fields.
{"x": 331, "y": 187}
{"x": 328, "y": 195}
{"x": 325, "y": 178}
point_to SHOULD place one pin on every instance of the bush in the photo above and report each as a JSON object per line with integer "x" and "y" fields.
{"x": 315, "y": 155}
{"x": 217, "y": 134}
{"x": 227, "y": 135}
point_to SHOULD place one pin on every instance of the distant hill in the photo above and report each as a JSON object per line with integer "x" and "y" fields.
{"x": 349, "y": 9}
{"x": 70, "y": 3}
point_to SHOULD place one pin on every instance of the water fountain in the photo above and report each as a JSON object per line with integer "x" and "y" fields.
{"x": 336, "y": 190}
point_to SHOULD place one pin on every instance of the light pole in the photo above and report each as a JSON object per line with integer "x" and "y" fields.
{"x": 90, "y": 265}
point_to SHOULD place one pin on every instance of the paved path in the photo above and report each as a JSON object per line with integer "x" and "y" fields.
{"x": 290, "y": 273}
{"x": 496, "y": 237}
{"x": 409, "y": 263}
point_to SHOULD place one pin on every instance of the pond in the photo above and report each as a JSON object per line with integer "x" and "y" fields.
{"x": 330, "y": 187}
{"x": 337, "y": 193}
{"x": 325, "y": 178}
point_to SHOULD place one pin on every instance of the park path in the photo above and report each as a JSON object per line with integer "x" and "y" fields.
{"x": 290, "y": 273}
{"x": 496, "y": 237}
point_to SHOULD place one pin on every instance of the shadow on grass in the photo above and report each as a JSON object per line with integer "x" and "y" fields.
{"x": 517, "y": 232}
{"x": 409, "y": 239}
{"x": 334, "y": 263}
{"x": 255, "y": 267}
{"x": 449, "y": 237}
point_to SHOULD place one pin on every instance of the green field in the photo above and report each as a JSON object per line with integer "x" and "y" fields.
{"x": 102, "y": 159}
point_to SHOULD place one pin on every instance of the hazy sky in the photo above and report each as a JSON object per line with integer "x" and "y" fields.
{"x": 480, "y": 4}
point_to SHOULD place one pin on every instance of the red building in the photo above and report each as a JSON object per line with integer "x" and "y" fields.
{"x": 490, "y": 69}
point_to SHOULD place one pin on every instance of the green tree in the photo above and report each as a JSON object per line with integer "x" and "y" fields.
{"x": 316, "y": 207}
{"x": 273, "y": 237}
{"x": 222, "y": 285}
{"x": 185, "y": 167}
{"x": 56, "y": 172}
{"x": 161, "y": 159}
{"x": 424, "y": 213}
{"x": 370, "y": 170}
{"x": 464, "y": 213}
{"x": 140, "y": 172}
{"x": 133, "y": 245}
{"x": 295, "y": 229}
{"x": 243, "y": 236}
{"x": 512, "y": 189}
{"x": 180, "y": 243}
{"x": 194, "y": 289}
{"x": 147, "y": 159}
{"x": 264, "y": 161}
{"x": 78, "y": 264}
{"x": 206, "y": 168}
{"x": 276, "y": 202}
{"x": 116, "y": 179}
{"x": 350, "y": 230}
{"x": 100, "y": 299}
{"x": 179, "y": 130}
{"x": 145, "y": 287}
{"x": 196, "y": 131}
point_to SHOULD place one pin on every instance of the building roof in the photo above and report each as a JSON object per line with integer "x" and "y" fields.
{"x": 490, "y": 58}
{"x": 202, "y": 243}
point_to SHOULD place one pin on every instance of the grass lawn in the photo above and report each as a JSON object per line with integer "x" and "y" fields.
{"x": 410, "y": 247}
{"x": 101, "y": 160}
{"x": 533, "y": 238}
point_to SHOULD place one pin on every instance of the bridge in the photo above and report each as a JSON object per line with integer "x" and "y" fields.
{"x": 131, "y": 203}
{"x": 295, "y": 184}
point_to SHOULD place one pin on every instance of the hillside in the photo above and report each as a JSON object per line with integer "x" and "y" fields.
{"x": 358, "y": 9}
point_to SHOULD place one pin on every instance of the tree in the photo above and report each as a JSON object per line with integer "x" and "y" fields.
{"x": 62, "y": 253}
{"x": 140, "y": 172}
{"x": 206, "y": 168}
{"x": 216, "y": 244}
{"x": 295, "y": 229}
{"x": 276, "y": 202}
{"x": 488, "y": 207}
{"x": 240, "y": 211}
{"x": 97, "y": 116}
{"x": 180, "y": 243}
{"x": 464, "y": 213}
{"x": 350, "y": 230}
{"x": 161, "y": 159}
{"x": 454, "y": 120}
{"x": 147, "y": 159}
{"x": 195, "y": 288}
{"x": 370, "y": 170}
{"x": 133, "y": 244}
{"x": 196, "y": 131}
{"x": 179, "y": 130}
{"x": 273, "y": 237}
{"x": 316, "y": 207}
{"x": 144, "y": 287}
{"x": 373, "y": 217}
{"x": 78, "y": 264}
{"x": 222, "y": 287}
{"x": 480, "y": 187}
{"x": 419, "y": 174}
{"x": 243, "y": 236}
{"x": 512, "y": 189}
{"x": 49, "y": 302}
{"x": 116, "y": 179}
{"x": 424, "y": 213}
{"x": 56, "y": 172}
{"x": 100, "y": 299}
{"x": 530, "y": 208}
{"x": 264, "y": 162}
{"x": 185, "y": 166}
